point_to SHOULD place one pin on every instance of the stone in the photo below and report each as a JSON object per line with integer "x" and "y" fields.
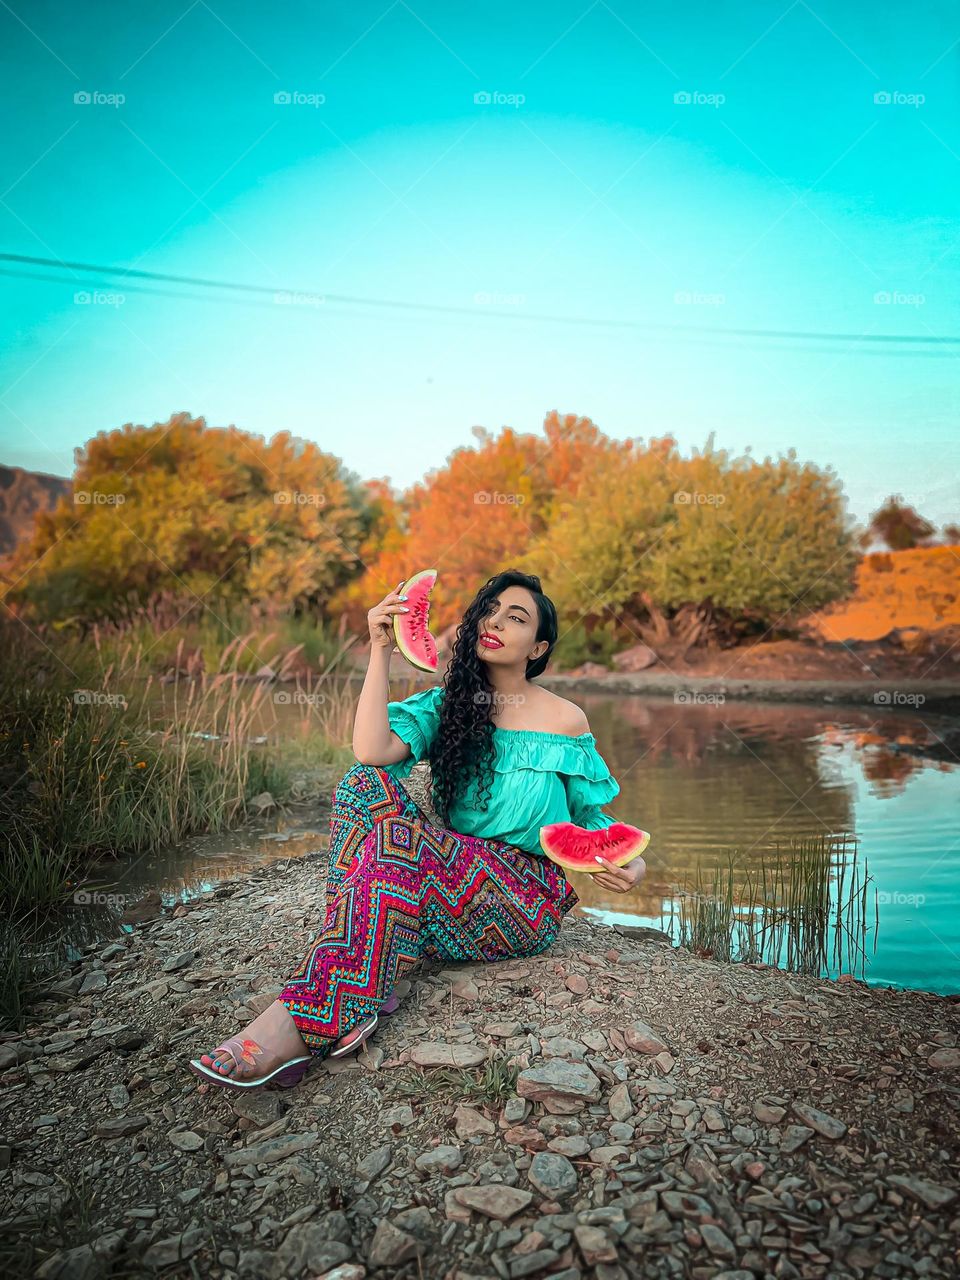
{"x": 175, "y": 1248}
{"x": 621, "y": 1106}
{"x": 272, "y": 1149}
{"x": 430, "y": 1053}
{"x": 686, "y": 1204}
{"x": 717, "y": 1241}
{"x": 442, "y": 1159}
{"x": 795, "y": 1135}
{"x": 401, "y": 1115}
{"x": 466, "y": 989}
{"x": 942, "y": 1059}
{"x": 502, "y": 1030}
{"x": 572, "y": 1082}
{"x": 496, "y": 1200}
{"x": 185, "y": 1140}
{"x": 527, "y": 1264}
{"x": 608, "y": 1155}
{"x": 470, "y": 1123}
{"x": 259, "y": 1106}
{"x": 643, "y": 1039}
{"x": 390, "y": 1246}
{"x": 594, "y": 1244}
{"x": 118, "y": 1097}
{"x": 553, "y": 1175}
{"x": 120, "y": 1126}
{"x": 95, "y": 981}
{"x": 372, "y": 1165}
{"x": 308, "y": 1247}
{"x": 932, "y": 1194}
{"x": 829, "y": 1126}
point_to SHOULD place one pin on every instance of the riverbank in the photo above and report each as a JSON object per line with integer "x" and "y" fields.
{"x": 908, "y": 695}
{"x": 615, "y": 1107}
{"x": 918, "y": 674}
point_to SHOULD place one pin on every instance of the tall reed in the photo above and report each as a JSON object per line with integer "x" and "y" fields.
{"x": 102, "y": 758}
{"x": 803, "y": 908}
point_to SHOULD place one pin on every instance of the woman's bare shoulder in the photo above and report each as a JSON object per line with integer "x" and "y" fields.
{"x": 566, "y": 716}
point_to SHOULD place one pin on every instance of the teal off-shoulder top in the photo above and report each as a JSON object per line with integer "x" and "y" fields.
{"x": 539, "y": 777}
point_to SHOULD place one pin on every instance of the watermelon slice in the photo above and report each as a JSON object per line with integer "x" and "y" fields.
{"x": 412, "y": 629}
{"x": 575, "y": 848}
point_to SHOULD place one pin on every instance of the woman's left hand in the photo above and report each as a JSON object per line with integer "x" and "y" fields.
{"x": 620, "y": 879}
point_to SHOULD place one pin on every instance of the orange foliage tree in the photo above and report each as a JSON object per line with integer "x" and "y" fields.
{"x": 478, "y": 514}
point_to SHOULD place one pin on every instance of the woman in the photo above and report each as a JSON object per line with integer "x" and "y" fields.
{"x": 506, "y": 758}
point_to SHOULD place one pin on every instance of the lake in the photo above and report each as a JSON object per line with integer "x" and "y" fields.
{"x": 713, "y": 782}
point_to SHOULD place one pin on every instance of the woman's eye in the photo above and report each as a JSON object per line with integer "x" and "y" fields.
{"x": 514, "y": 618}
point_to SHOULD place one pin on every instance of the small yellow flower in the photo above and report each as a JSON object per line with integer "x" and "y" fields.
{"x": 101, "y": 777}
{"x": 141, "y": 764}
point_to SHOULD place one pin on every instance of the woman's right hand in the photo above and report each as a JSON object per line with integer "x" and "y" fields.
{"x": 380, "y": 619}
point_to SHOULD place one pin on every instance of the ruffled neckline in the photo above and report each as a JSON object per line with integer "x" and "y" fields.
{"x": 544, "y": 733}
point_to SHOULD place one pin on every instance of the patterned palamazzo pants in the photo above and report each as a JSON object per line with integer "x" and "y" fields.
{"x": 400, "y": 889}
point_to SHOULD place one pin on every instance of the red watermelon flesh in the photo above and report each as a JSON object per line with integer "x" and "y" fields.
{"x": 412, "y": 630}
{"x": 575, "y": 848}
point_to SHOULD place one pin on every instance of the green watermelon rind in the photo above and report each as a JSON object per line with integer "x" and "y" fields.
{"x": 400, "y": 620}
{"x": 588, "y": 864}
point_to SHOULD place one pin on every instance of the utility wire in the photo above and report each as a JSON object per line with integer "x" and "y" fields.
{"x": 478, "y": 311}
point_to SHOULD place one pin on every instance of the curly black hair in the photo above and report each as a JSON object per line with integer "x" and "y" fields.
{"x": 463, "y": 746}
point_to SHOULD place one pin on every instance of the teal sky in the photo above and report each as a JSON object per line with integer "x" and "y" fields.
{"x": 783, "y": 198}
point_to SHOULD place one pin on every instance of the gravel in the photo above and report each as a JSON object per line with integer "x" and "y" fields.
{"x": 615, "y": 1107}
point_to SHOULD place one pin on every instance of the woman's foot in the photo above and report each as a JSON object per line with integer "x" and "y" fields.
{"x": 270, "y": 1039}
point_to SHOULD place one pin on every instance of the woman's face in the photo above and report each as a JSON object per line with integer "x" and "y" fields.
{"x": 512, "y": 620}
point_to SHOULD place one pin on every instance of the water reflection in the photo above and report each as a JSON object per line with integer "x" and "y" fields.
{"x": 718, "y": 786}
{"x": 715, "y": 783}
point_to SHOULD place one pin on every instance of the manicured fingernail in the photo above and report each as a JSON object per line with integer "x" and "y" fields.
{"x": 404, "y": 597}
{"x": 597, "y": 857}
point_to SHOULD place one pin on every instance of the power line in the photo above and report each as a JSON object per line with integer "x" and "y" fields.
{"x": 479, "y": 311}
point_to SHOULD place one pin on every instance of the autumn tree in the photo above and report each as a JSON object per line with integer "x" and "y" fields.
{"x": 764, "y": 540}
{"x": 898, "y": 525}
{"x": 478, "y": 513}
{"x": 216, "y": 513}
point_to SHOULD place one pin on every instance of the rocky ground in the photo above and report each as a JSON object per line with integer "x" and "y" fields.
{"x": 613, "y": 1108}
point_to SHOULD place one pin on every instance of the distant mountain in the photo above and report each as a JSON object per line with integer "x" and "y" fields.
{"x": 22, "y": 495}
